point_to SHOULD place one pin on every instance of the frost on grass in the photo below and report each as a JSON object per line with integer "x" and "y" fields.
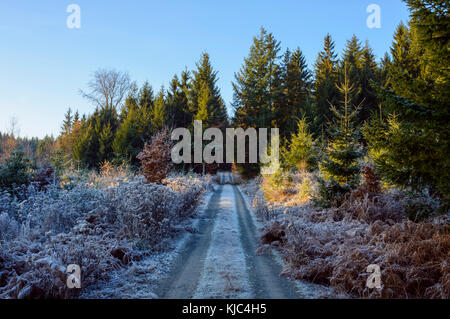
{"x": 99, "y": 224}
{"x": 334, "y": 246}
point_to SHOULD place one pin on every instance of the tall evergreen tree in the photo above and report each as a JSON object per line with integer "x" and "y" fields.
{"x": 159, "y": 110}
{"x": 94, "y": 143}
{"x": 136, "y": 127}
{"x": 294, "y": 101}
{"x": 205, "y": 75}
{"x": 253, "y": 86}
{"x": 411, "y": 147}
{"x": 368, "y": 78}
{"x": 339, "y": 168}
{"x": 325, "y": 91}
{"x": 178, "y": 103}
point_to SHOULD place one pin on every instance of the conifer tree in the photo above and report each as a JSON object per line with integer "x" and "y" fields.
{"x": 325, "y": 92}
{"x": 204, "y": 112}
{"x": 136, "y": 126}
{"x": 178, "y": 103}
{"x": 299, "y": 152}
{"x": 339, "y": 168}
{"x": 411, "y": 146}
{"x": 257, "y": 89}
{"x": 253, "y": 93}
{"x": 159, "y": 110}
{"x": 368, "y": 78}
{"x": 205, "y": 75}
{"x": 295, "y": 98}
{"x": 64, "y": 140}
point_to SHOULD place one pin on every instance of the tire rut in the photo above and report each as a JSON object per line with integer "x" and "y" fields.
{"x": 186, "y": 271}
{"x": 263, "y": 271}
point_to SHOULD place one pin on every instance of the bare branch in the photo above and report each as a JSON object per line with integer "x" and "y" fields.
{"x": 107, "y": 88}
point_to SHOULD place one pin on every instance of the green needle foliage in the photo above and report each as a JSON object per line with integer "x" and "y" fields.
{"x": 339, "y": 168}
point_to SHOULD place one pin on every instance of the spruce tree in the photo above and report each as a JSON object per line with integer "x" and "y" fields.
{"x": 257, "y": 89}
{"x": 368, "y": 78}
{"x": 204, "y": 112}
{"x": 136, "y": 125}
{"x": 159, "y": 110}
{"x": 178, "y": 103}
{"x": 411, "y": 146}
{"x": 298, "y": 154}
{"x": 294, "y": 101}
{"x": 253, "y": 93}
{"x": 205, "y": 75}
{"x": 325, "y": 92}
{"x": 339, "y": 168}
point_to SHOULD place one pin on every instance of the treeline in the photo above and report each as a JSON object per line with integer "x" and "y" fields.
{"x": 395, "y": 112}
{"x": 33, "y": 148}
{"x": 117, "y": 132}
{"x": 276, "y": 90}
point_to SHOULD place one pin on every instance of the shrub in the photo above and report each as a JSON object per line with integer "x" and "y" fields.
{"x": 419, "y": 207}
{"x": 299, "y": 153}
{"x": 330, "y": 193}
{"x": 304, "y": 190}
{"x": 45, "y": 176}
{"x": 101, "y": 229}
{"x": 156, "y": 157}
{"x": 15, "y": 171}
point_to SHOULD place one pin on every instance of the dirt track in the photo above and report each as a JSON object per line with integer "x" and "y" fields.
{"x": 219, "y": 261}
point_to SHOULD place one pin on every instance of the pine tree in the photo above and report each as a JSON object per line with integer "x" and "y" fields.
{"x": 67, "y": 123}
{"x": 178, "y": 103}
{"x": 351, "y": 67}
{"x": 159, "y": 110}
{"x": 145, "y": 129}
{"x": 204, "y": 112}
{"x": 257, "y": 89}
{"x": 136, "y": 125}
{"x": 339, "y": 168}
{"x": 205, "y": 75}
{"x": 94, "y": 143}
{"x": 295, "y": 96}
{"x": 128, "y": 142}
{"x": 64, "y": 141}
{"x": 368, "y": 78}
{"x": 299, "y": 152}
{"x": 411, "y": 146}
{"x": 253, "y": 85}
{"x": 325, "y": 92}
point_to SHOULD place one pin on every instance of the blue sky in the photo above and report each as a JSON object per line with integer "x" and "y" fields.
{"x": 43, "y": 64}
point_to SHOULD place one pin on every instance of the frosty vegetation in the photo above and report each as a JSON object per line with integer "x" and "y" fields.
{"x": 374, "y": 225}
{"x": 101, "y": 221}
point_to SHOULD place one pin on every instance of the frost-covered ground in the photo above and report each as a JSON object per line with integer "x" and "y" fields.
{"x": 334, "y": 246}
{"x": 221, "y": 260}
{"x": 142, "y": 278}
{"x": 107, "y": 226}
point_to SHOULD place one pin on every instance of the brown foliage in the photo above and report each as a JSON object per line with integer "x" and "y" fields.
{"x": 156, "y": 158}
{"x": 45, "y": 176}
{"x": 371, "y": 184}
{"x": 414, "y": 257}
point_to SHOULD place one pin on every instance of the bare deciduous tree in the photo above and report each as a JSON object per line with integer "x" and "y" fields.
{"x": 107, "y": 88}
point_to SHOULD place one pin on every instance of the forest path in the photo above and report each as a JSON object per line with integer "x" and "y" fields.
{"x": 219, "y": 261}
